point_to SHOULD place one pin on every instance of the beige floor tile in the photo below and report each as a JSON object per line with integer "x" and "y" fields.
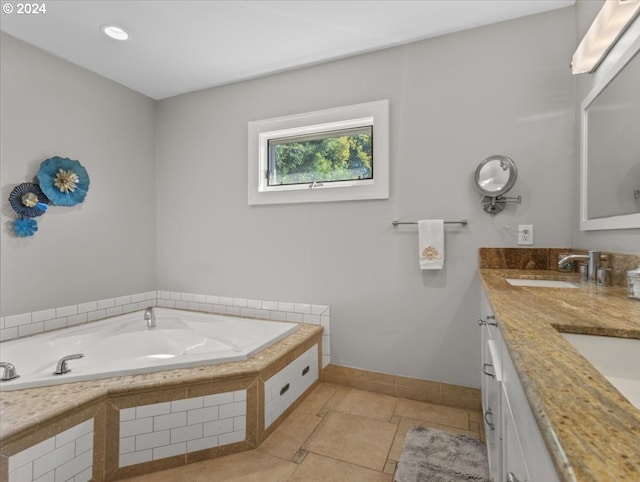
{"x": 365, "y": 404}
{"x": 251, "y": 466}
{"x": 287, "y": 439}
{"x": 429, "y": 412}
{"x": 338, "y": 396}
{"x": 317, "y": 468}
{"x": 317, "y": 399}
{"x": 352, "y": 438}
{"x": 407, "y": 423}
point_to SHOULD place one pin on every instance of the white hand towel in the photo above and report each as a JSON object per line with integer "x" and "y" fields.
{"x": 431, "y": 243}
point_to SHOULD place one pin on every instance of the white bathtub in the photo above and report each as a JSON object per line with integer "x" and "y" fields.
{"x": 123, "y": 345}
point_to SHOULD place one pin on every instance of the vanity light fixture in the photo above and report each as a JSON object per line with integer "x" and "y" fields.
{"x": 610, "y": 23}
{"x": 114, "y": 32}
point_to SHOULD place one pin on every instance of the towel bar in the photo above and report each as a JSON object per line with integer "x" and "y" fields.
{"x": 464, "y": 222}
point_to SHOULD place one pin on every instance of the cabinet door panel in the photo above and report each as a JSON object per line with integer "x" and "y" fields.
{"x": 513, "y": 460}
{"x": 538, "y": 459}
{"x": 491, "y": 405}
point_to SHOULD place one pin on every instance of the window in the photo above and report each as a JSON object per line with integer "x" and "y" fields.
{"x": 331, "y": 155}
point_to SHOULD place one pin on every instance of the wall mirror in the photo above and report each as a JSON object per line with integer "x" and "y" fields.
{"x": 610, "y": 144}
{"x": 495, "y": 176}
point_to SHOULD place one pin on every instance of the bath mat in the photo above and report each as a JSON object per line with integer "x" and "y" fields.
{"x": 436, "y": 456}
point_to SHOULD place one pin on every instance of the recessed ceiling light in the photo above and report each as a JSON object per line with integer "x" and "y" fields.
{"x": 114, "y": 32}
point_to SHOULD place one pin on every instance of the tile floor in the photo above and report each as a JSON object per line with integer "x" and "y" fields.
{"x": 337, "y": 433}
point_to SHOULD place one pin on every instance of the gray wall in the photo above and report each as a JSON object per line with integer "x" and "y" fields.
{"x": 619, "y": 240}
{"x": 456, "y": 99}
{"x": 104, "y": 247}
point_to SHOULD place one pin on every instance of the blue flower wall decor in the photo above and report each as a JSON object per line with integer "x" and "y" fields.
{"x": 63, "y": 180}
{"x": 24, "y": 227}
{"x": 27, "y": 199}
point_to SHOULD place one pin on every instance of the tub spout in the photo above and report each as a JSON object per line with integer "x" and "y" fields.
{"x": 62, "y": 367}
{"x": 9, "y": 371}
{"x": 150, "y": 317}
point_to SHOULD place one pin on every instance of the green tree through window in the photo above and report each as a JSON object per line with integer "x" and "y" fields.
{"x": 341, "y": 156}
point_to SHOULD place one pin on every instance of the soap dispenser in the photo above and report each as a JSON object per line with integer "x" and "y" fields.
{"x": 633, "y": 283}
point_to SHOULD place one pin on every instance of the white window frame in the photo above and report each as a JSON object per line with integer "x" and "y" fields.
{"x": 374, "y": 114}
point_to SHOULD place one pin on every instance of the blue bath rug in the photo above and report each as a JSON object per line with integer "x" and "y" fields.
{"x": 431, "y": 455}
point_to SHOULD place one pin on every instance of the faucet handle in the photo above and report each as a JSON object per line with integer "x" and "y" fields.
{"x": 9, "y": 371}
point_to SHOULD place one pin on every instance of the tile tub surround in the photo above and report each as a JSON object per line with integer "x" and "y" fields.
{"x": 180, "y": 426}
{"x": 160, "y": 430}
{"x": 592, "y": 432}
{"x": 26, "y": 324}
{"x": 32, "y": 415}
{"x": 65, "y": 456}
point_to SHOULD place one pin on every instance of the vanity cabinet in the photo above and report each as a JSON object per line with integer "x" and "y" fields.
{"x": 515, "y": 447}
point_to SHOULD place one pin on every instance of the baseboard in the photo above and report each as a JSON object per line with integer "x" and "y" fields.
{"x": 412, "y": 388}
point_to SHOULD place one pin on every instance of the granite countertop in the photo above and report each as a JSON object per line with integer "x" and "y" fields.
{"x": 592, "y": 431}
{"x": 22, "y": 410}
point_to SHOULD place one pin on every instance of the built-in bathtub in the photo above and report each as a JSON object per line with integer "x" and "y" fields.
{"x": 124, "y": 345}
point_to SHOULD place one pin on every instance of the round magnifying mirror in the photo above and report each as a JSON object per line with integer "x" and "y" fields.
{"x": 496, "y": 175}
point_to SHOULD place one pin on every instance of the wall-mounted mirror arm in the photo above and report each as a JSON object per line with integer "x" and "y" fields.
{"x": 494, "y": 177}
{"x": 494, "y": 205}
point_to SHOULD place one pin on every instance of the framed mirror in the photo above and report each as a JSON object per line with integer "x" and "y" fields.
{"x": 495, "y": 176}
{"x": 610, "y": 143}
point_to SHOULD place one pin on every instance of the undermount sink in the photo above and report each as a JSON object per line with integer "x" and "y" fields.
{"x": 540, "y": 283}
{"x": 618, "y": 359}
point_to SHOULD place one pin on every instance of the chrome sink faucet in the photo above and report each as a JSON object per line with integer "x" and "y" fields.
{"x": 594, "y": 258}
{"x": 9, "y": 371}
{"x": 150, "y": 317}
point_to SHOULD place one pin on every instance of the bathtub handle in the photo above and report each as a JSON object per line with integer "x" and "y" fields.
{"x": 9, "y": 371}
{"x": 62, "y": 367}
{"x": 305, "y": 371}
{"x": 284, "y": 389}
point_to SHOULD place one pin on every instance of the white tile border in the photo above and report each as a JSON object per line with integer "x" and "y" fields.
{"x": 26, "y": 324}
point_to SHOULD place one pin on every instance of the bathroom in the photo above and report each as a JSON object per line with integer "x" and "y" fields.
{"x": 167, "y": 208}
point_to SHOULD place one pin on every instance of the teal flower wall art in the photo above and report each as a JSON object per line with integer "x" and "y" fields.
{"x": 27, "y": 199}
{"x": 63, "y": 180}
{"x": 24, "y": 227}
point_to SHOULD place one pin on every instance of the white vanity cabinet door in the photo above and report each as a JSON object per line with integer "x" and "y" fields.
{"x": 491, "y": 368}
{"x": 514, "y": 466}
{"x": 492, "y": 408}
{"x": 539, "y": 465}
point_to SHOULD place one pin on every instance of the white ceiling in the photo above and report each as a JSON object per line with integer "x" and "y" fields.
{"x": 182, "y": 46}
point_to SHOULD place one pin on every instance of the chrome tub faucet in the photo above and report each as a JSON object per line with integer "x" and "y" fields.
{"x": 9, "y": 371}
{"x": 150, "y": 317}
{"x": 62, "y": 368}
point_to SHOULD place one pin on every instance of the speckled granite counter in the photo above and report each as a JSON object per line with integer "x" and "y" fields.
{"x": 592, "y": 432}
{"x": 22, "y": 410}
